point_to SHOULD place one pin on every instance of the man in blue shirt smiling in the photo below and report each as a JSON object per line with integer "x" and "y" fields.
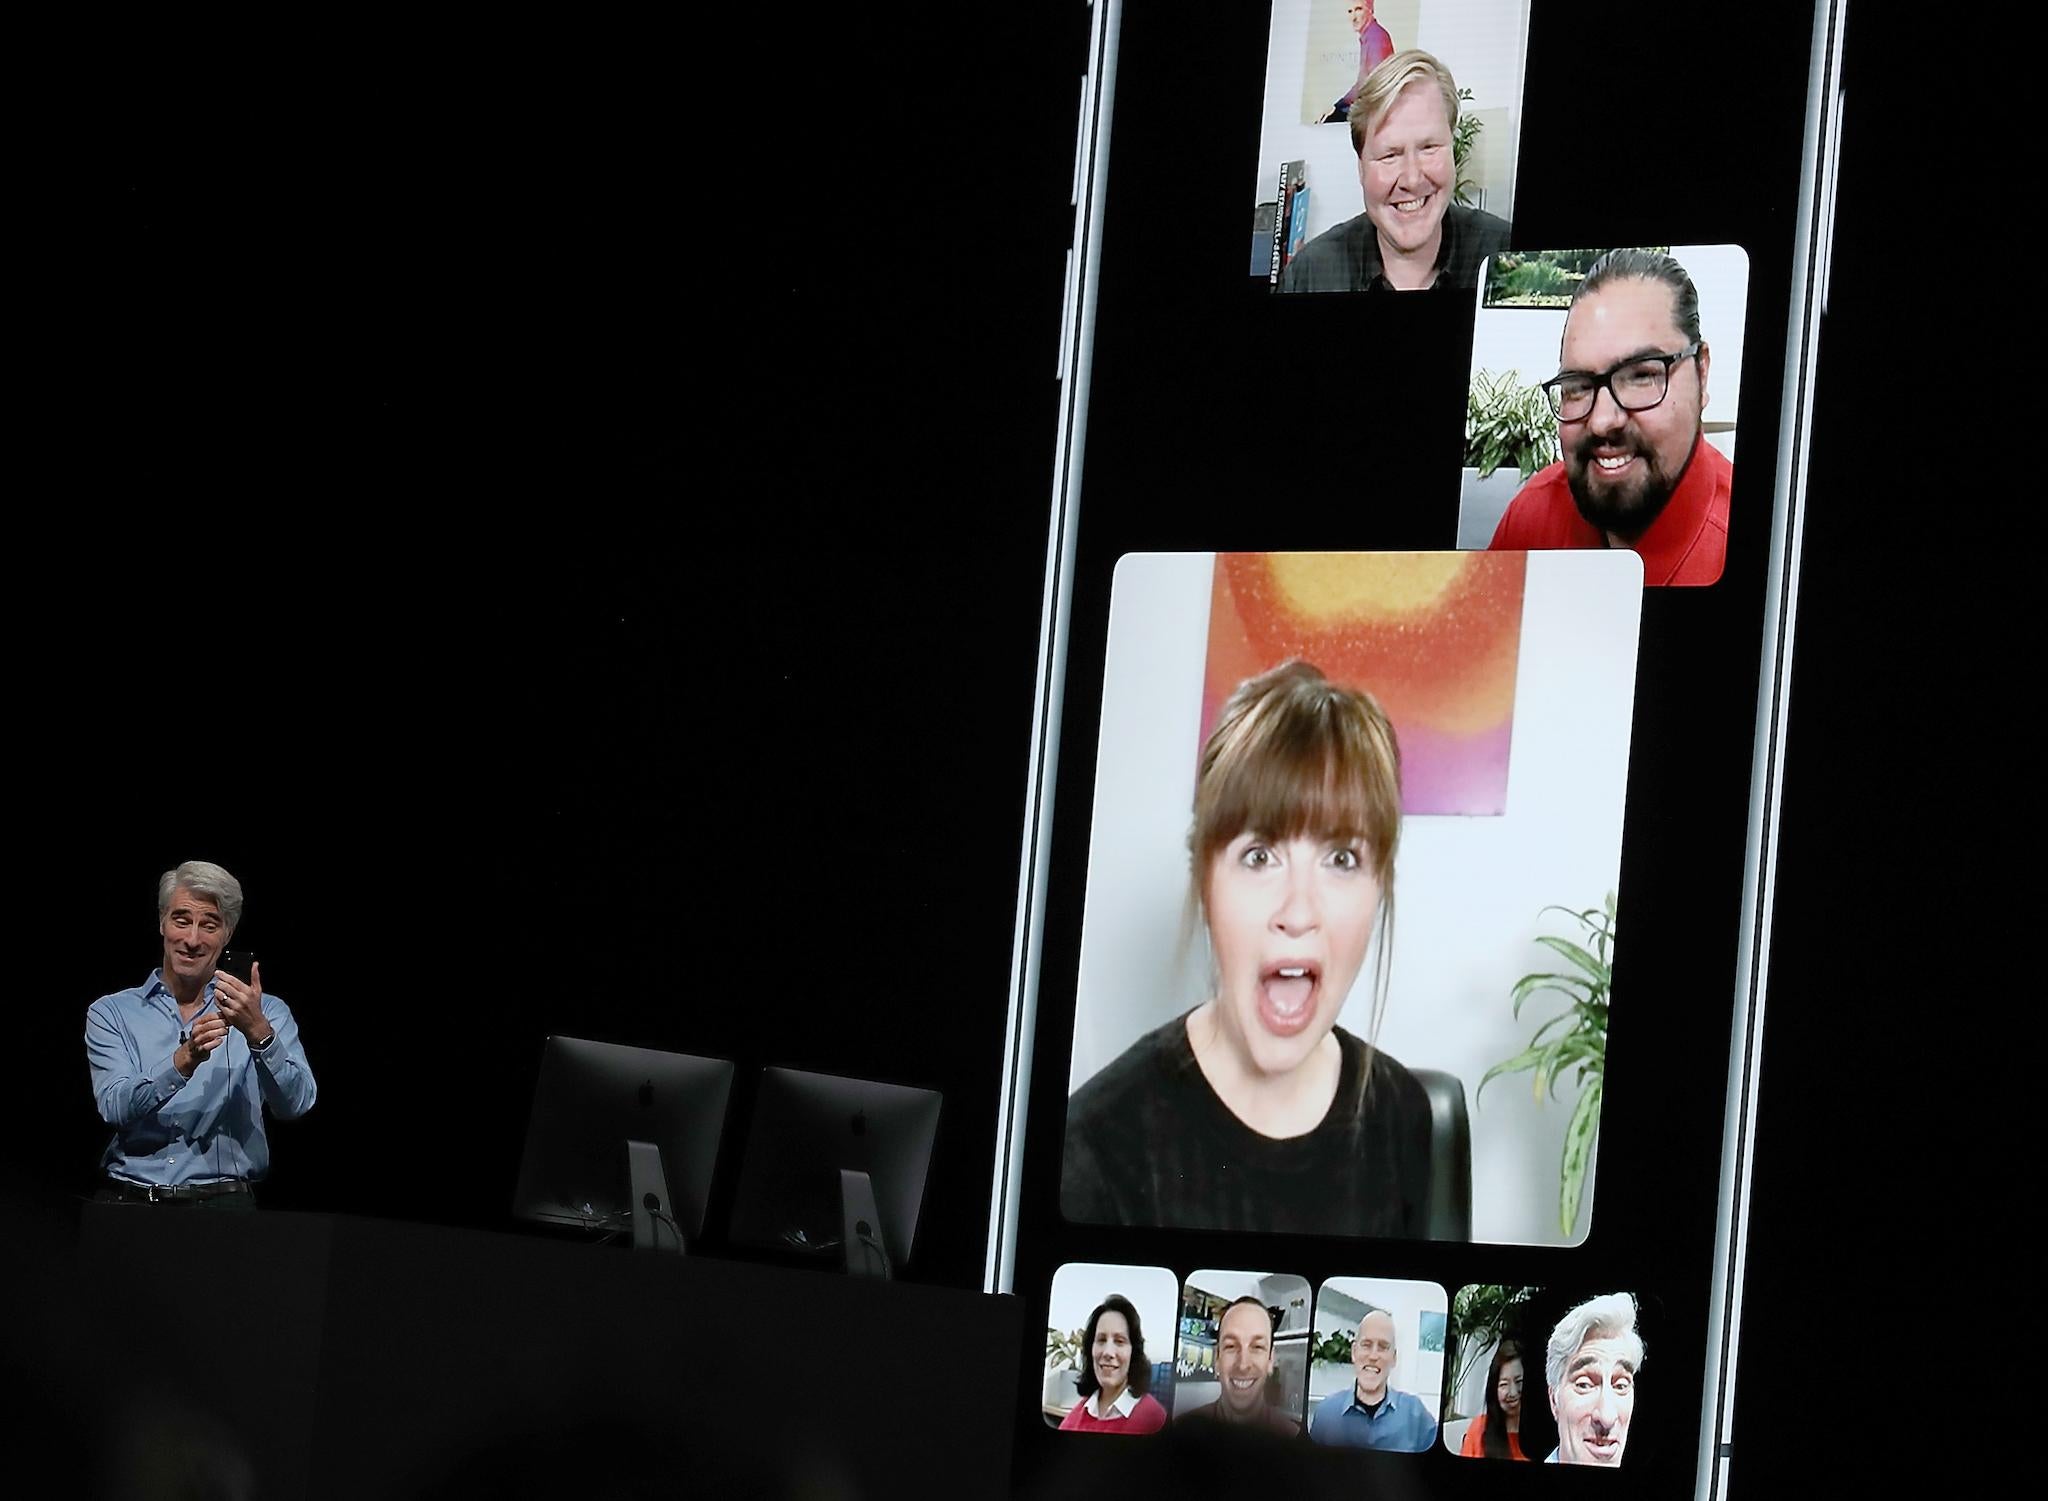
{"x": 185, "y": 1064}
{"x": 1372, "y": 1415}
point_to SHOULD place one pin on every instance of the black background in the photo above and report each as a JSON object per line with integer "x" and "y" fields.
{"x": 581, "y": 569}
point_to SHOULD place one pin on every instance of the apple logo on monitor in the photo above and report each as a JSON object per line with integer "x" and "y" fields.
{"x": 645, "y": 1094}
{"x": 860, "y": 1123}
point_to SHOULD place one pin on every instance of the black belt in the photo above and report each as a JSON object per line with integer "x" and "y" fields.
{"x": 183, "y": 1193}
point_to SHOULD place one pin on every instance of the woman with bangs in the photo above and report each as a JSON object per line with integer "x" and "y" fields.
{"x": 1255, "y": 1110}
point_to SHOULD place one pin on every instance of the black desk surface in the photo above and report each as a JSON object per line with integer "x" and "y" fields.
{"x": 319, "y": 1355}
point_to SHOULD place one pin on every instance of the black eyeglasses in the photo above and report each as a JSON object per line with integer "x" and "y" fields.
{"x": 1636, "y": 385}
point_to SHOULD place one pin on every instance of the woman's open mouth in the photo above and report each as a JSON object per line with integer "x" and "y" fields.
{"x": 1287, "y": 996}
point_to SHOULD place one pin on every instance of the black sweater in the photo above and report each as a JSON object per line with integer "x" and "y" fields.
{"x": 1149, "y": 1143}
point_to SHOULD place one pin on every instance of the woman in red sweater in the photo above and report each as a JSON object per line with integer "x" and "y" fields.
{"x": 1113, "y": 1395}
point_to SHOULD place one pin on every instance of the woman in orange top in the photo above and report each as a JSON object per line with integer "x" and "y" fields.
{"x": 1497, "y": 1432}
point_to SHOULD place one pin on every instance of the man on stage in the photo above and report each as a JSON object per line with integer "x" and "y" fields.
{"x": 185, "y": 1064}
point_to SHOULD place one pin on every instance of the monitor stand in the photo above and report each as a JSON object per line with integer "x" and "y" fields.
{"x": 861, "y": 1225}
{"x": 654, "y": 1222}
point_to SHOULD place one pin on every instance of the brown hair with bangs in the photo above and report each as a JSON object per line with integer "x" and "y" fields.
{"x": 1292, "y": 754}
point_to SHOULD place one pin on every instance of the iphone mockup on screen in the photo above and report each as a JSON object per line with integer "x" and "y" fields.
{"x": 1398, "y": 855}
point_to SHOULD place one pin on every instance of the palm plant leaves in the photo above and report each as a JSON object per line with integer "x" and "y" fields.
{"x": 1578, "y": 1152}
{"x": 1573, "y": 1041}
{"x": 1585, "y": 961}
{"x": 1569, "y": 986}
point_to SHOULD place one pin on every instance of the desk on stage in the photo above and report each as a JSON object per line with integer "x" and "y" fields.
{"x": 392, "y": 1359}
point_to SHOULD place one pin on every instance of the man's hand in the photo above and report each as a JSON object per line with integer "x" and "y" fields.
{"x": 242, "y": 1005}
{"x": 208, "y": 1033}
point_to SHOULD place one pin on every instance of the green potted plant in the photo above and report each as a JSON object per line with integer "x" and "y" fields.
{"x": 1329, "y": 1364}
{"x": 1462, "y": 136}
{"x": 1507, "y": 422}
{"x": 1574, "y": 1041}
{"x": 1333, "y": 1348}
{"x": 1509, "y": 435}
{"x": 1063, "y": 1353}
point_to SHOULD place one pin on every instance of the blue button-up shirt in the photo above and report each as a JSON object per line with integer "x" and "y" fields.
{"x": 170, "y": 1129}
{"x": 1403, "y": 1422}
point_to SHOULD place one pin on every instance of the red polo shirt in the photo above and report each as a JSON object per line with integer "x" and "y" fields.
{"x": 1687, "y": 544}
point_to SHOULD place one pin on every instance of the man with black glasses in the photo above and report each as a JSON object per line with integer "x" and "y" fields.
{"x": 1636, "y": 470}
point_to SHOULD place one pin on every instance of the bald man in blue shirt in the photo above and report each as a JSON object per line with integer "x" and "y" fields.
{"x": 1372, "y": 1415}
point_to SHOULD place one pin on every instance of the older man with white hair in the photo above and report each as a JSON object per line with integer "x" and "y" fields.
{"x": 185, "y": 1064}
{"x": 1590, "y": 1365}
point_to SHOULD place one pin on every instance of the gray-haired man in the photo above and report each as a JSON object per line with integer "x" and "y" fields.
{"x": 185, "y": 1064}
{"x": 1590, "y": 1365}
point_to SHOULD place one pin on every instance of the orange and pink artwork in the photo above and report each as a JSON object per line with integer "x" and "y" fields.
{"x": 1435, "y": 637}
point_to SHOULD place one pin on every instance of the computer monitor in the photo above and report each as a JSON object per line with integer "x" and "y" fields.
{"x": 834, "y": 1161}
{"x": 623, "y": 1135}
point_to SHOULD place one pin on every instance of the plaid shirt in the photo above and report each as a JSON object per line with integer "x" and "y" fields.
{"x": 1347, "y": 258}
